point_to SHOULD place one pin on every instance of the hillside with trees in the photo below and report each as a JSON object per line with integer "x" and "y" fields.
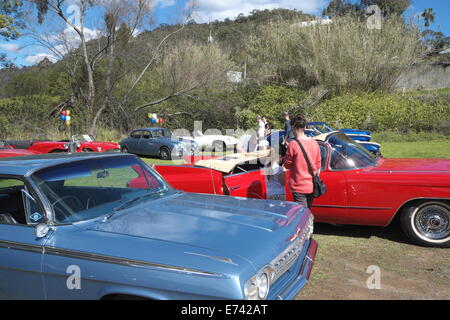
{"x": 287, "y": 63}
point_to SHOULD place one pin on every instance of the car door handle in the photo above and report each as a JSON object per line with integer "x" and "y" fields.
{"x": 234, "y": 188}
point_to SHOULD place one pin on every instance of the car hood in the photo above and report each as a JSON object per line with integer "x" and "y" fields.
{"x": 16, "y": 152}
{"x": 413, "y": 165}
{"x": 256, "y": 230}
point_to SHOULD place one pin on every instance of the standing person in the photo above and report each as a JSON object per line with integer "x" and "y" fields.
{"x": 288, "y": 133}
{"x": 269, "y": 126}
{"x": 261, "y": 128}
{"x": 300, "y": 180}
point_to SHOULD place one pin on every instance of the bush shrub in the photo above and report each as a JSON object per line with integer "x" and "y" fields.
{"x": 270, "y": 101}
{"x": 384, "y": 112}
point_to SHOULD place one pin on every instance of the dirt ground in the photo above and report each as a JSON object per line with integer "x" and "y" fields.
{"x": 407, "y": 271}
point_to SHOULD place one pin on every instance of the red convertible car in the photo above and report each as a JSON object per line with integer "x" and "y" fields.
{"x": 362, "y": 189}
{"x": 82, "y": 142}
{"x": 7, "y": 151}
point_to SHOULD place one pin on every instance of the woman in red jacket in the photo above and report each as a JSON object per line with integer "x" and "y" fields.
{"x": 300, "y": 180}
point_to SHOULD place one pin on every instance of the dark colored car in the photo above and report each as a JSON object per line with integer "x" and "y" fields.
{"x": 158, "y": 142}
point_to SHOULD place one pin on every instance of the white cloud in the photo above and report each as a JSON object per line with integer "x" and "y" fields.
{"x": 221, "y": 9}
{"x": 10, "y": 47}
{"x": 164, "y": 3}
{"x": 39, "y": 57}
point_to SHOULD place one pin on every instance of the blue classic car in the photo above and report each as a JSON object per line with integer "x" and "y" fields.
{"x": 158, "y": 142}
{"x": 361, "y": 136}
{"x": 107, "y": 226}
{"x": 314, "y": 129}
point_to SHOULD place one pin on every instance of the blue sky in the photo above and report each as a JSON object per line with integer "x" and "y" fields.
{"x": 24, "y": 52}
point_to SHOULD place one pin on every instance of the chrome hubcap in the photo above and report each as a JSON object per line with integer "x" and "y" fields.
{"x": 433, "y": 222}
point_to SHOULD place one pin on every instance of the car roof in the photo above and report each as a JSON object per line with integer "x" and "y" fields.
{"x": 151, "y": 129}
{"x": 26, "y": 165}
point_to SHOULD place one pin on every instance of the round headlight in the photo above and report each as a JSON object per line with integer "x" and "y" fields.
{"x": 251, "y": 290}
{"x": 262, "y": 282}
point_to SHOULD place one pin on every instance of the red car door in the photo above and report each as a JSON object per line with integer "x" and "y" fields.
{"x": 249, "y": 184}
{"x": 192, "y": 179}
{"x": 373, "y": 198}
{"x": 332, "y": 207}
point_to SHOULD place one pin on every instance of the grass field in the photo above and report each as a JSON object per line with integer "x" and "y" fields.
{"x": 423, "y": 149}
{"x": 345, "y": 252}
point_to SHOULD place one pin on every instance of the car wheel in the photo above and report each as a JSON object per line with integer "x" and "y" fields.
{"x": 164, "y": 154}
{"x": 57, "y": 151}
{"x": 124, "y": 149}
{"x": 427, "y": 223}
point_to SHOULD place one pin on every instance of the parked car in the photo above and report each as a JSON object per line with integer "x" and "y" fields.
{"x": 355, "y": 134}
{"x": 78, "y": 143}
{"x": 7, "y": 151}
{"x": 361, "y": 136}
{"x": 158, "y": 142}
{"x": 213, "y": 142}
{"x": 102, "y": 226}
{"x": 362, "y": 189}
{"x": 277, "y": 135}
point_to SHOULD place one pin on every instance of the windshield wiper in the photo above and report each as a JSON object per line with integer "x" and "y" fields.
{"x": 130, "y": 201}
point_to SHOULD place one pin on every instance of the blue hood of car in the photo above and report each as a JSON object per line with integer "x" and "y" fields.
{"x": 256, "y": 230}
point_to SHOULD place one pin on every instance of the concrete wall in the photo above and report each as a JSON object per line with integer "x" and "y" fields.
{"x": 426, "y": 77}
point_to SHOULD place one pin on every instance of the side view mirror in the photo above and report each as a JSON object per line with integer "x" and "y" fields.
{"x": 42, "y": 230}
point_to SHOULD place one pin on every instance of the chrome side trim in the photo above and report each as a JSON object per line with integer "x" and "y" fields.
{"x": 21, "y": 246}
{"x": 102, "y": 258}
{"x": 347, "y": 207}
{"x": 125, "y": 262}
{"x": 411, "y": 171}
{"x": 225, "y": 260}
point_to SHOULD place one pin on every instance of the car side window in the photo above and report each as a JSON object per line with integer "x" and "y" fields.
{"x": 323, "y": 156}
{"x": 17, "y": 206}
{"x": 136, "y": 134}
{"x": 157, "y": 133}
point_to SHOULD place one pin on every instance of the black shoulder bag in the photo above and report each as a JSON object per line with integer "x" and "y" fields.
{"x": 319, "y": 187}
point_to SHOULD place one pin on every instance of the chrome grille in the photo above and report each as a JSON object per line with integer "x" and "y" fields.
{"x": 285, "y": 261}
{"x": 281, "y": 264}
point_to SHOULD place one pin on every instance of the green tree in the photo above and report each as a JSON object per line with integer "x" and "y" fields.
{"x": 428, "y": 16}
{"x": 388, "y": 7}
{"x": 339, "y": 8}
{"x": 10, "y": 24}
{"x": 10, "y": 18}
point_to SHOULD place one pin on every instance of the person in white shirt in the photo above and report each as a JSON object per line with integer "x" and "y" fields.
{"x": 261, "y": 128}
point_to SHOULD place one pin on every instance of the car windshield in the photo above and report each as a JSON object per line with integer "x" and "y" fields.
{"x": 347, "y": 154}
{"x": 197, "y": 133}
{"x": 4, "y": 145}
{"x": 319, "y": 128}
{"x": 83, "y": 138}
{"x": 92, "y": 188}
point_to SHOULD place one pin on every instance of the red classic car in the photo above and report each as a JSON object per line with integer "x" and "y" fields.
{"x": 362, "y": 189}
{"x": 7, "y": 151}
{"x": 81, "y": 143}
